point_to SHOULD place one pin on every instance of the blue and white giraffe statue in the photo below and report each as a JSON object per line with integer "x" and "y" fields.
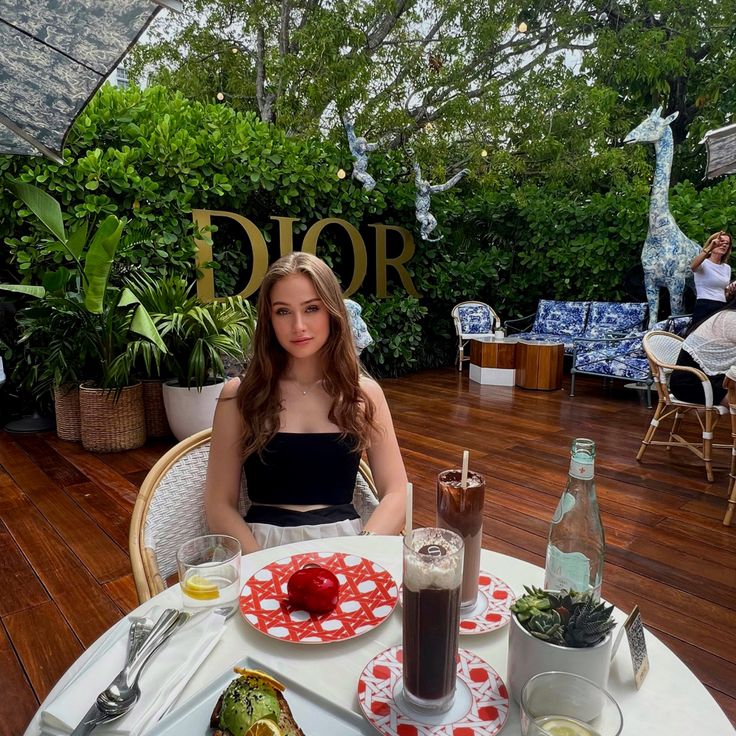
{"x": 667, "y": 251}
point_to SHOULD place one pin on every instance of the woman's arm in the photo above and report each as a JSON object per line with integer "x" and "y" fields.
{"x": 224, "y": 471}
{"x": 387, "y": 466}
{"x": 697, "y": 262}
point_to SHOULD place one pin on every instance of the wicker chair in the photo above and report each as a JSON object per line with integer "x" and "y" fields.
{"x": 662, "y": 349}
{"x": 473, "y": 320}
{"x": 170, "y": 509}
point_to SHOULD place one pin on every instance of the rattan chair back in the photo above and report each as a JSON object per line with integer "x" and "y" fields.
{"x": 170, "y": 510}
{"x": 662, "y": 349}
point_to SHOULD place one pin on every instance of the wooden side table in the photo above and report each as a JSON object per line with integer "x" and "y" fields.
{"x": 539, "y": 364}
{"x": 492, "y": 361}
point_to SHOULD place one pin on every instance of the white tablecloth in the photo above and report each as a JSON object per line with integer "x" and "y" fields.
{"x": 671, "y": 701}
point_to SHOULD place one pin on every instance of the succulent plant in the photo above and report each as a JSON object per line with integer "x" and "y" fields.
{"x": 567, "y": 618}
{"x": 589, "y": 623}
{"x": 533, "y": 603}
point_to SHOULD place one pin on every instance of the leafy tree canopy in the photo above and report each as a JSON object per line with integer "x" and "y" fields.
{"x": 543, "y": 88}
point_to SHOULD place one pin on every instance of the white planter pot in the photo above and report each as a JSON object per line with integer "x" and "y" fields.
{"x": 528, "y": 656}
{"x": 189, "y": 410}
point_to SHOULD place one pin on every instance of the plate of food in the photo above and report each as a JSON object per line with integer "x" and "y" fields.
{"x": 247, "y": 701}
{"x": 318, "y": 597}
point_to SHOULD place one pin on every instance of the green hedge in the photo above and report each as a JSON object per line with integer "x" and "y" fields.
{"x": 152, "y": 156}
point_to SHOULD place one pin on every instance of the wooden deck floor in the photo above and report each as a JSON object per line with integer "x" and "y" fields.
{"x": 64, "y": 516}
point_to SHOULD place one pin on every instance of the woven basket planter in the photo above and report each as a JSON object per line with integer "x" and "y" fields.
{"x": 112, "y": 421}
{"x": 157, "y": 425}
{"x": 66, "y": 408}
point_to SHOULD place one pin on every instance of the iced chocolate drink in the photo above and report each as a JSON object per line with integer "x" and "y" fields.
{"x": 461, "y": 509}
{"x": 433, "y": 566}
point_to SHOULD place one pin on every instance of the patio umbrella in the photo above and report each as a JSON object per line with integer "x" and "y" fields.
{"x": 54, "y": 55}
{"x": 721, "y": 145}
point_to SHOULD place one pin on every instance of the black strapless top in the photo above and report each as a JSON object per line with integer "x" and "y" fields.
{"x": 298, "y": 468}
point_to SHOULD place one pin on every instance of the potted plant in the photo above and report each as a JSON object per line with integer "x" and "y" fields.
{"x": 197, "y": 336}
{"x": 558, "y": 632}
{"x": 92, "y": 325}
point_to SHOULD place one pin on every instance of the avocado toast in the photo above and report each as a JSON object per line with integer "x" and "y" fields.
{"x": 252, "y": 697}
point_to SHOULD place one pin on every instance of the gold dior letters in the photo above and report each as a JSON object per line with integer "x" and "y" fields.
{"x": 259, "y": 250}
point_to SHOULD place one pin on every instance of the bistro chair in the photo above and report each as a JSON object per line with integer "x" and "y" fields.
{"x": 169, "y": 510}
{"x": 662, "y": 349}
{"x": 729, "y": 383}
{"x": 473, "y": 320}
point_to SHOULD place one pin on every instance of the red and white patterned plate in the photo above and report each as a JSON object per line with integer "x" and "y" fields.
{"x": 481, "y": 704}
{"x": 493, "y": 608}
{"x": 368, "y": 595}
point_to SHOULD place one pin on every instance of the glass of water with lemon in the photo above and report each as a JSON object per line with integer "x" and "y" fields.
{"x": 564, "y": 704}
{"x": 209, "y": 571}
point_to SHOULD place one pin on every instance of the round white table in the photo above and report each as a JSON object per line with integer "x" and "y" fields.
{"x": 671, "y": 700}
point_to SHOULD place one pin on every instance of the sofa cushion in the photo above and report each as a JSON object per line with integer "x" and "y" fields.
{"x": 619, "y": 359}
{"x": 560, "y": 318}
{"x": 609, "y": 319}
{"x": 678, "y": 324}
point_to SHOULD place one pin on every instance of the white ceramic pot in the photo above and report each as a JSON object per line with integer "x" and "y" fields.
{"x": 528, "y": 656}
{"x": 190, "y": 410}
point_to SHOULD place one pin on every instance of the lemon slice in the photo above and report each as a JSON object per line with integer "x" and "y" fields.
{"x": 264, "y": 727}
{"x": 273, "y": 682}
{"x": 200, "y": 588}
{"x": 564, "y": 727}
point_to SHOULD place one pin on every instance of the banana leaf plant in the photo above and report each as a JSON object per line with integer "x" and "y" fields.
{"x": 80, "y": 325}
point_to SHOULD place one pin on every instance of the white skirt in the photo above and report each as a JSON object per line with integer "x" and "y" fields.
{"x": 270, "y": 535}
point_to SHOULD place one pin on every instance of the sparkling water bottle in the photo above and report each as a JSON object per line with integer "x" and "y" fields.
{"x": 576, "y": 542}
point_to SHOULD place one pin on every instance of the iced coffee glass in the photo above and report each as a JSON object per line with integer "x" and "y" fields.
{"x": 433, "y": 571}
{"x": 461, "y": 510}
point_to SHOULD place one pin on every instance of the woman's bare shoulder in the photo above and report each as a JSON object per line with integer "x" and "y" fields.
{"x": 371, "y": 388}
{"x": 230, "y": 389}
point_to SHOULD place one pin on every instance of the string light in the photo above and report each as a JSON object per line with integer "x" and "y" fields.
{"x": 341, "y": 173}
{"x": 484, "y": 153}
{"x": 221, "y": 96}
{"x": 234, "y": 49}
{"x": 429, "y": 126}
{"x": 522, "y": 27}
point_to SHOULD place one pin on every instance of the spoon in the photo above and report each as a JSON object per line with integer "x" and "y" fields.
{"x": 123, "y": 691}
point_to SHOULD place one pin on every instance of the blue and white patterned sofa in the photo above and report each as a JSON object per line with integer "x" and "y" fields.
{"x": 567, "y": 321}
{"x": 604, "y": 338}
{"x": 620, "y": 357}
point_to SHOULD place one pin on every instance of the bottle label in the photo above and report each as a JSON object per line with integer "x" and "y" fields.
{"x": 582, "y": 466}
{"x": 567, "y": 502}
{"x": 566, "y": 570}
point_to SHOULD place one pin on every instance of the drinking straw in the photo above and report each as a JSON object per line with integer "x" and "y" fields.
{"x": 464, "y": 477}
{"x": 407, "y": 522}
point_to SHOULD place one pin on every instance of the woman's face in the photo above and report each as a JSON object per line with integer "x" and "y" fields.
{"x": 722, "y": 244}
{"x": 299, "y": 317}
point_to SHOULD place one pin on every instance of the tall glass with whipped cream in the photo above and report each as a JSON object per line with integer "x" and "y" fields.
{"x": 433, "y": 576}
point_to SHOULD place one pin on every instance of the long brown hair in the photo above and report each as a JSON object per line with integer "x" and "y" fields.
{"x": 259, "y": 396}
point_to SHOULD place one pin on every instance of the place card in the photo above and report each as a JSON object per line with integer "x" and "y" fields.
{"x": 637, "y": 645}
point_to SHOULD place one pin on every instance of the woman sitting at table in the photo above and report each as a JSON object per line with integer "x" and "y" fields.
{"x": 712, "y": 276}
{"x": 298, "y": 421}
{"x": 710, "y": 347}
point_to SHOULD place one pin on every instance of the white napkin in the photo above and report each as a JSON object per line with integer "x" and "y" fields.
{"x": 162, "y": 680}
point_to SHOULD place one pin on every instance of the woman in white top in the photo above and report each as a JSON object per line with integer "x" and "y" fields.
{"x": 712, "y": 276}
{"x": 711, "y": 348}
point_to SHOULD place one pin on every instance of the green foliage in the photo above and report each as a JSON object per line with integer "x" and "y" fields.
{"x": 196, "y": 335}
{"x": 153, "y": 156}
